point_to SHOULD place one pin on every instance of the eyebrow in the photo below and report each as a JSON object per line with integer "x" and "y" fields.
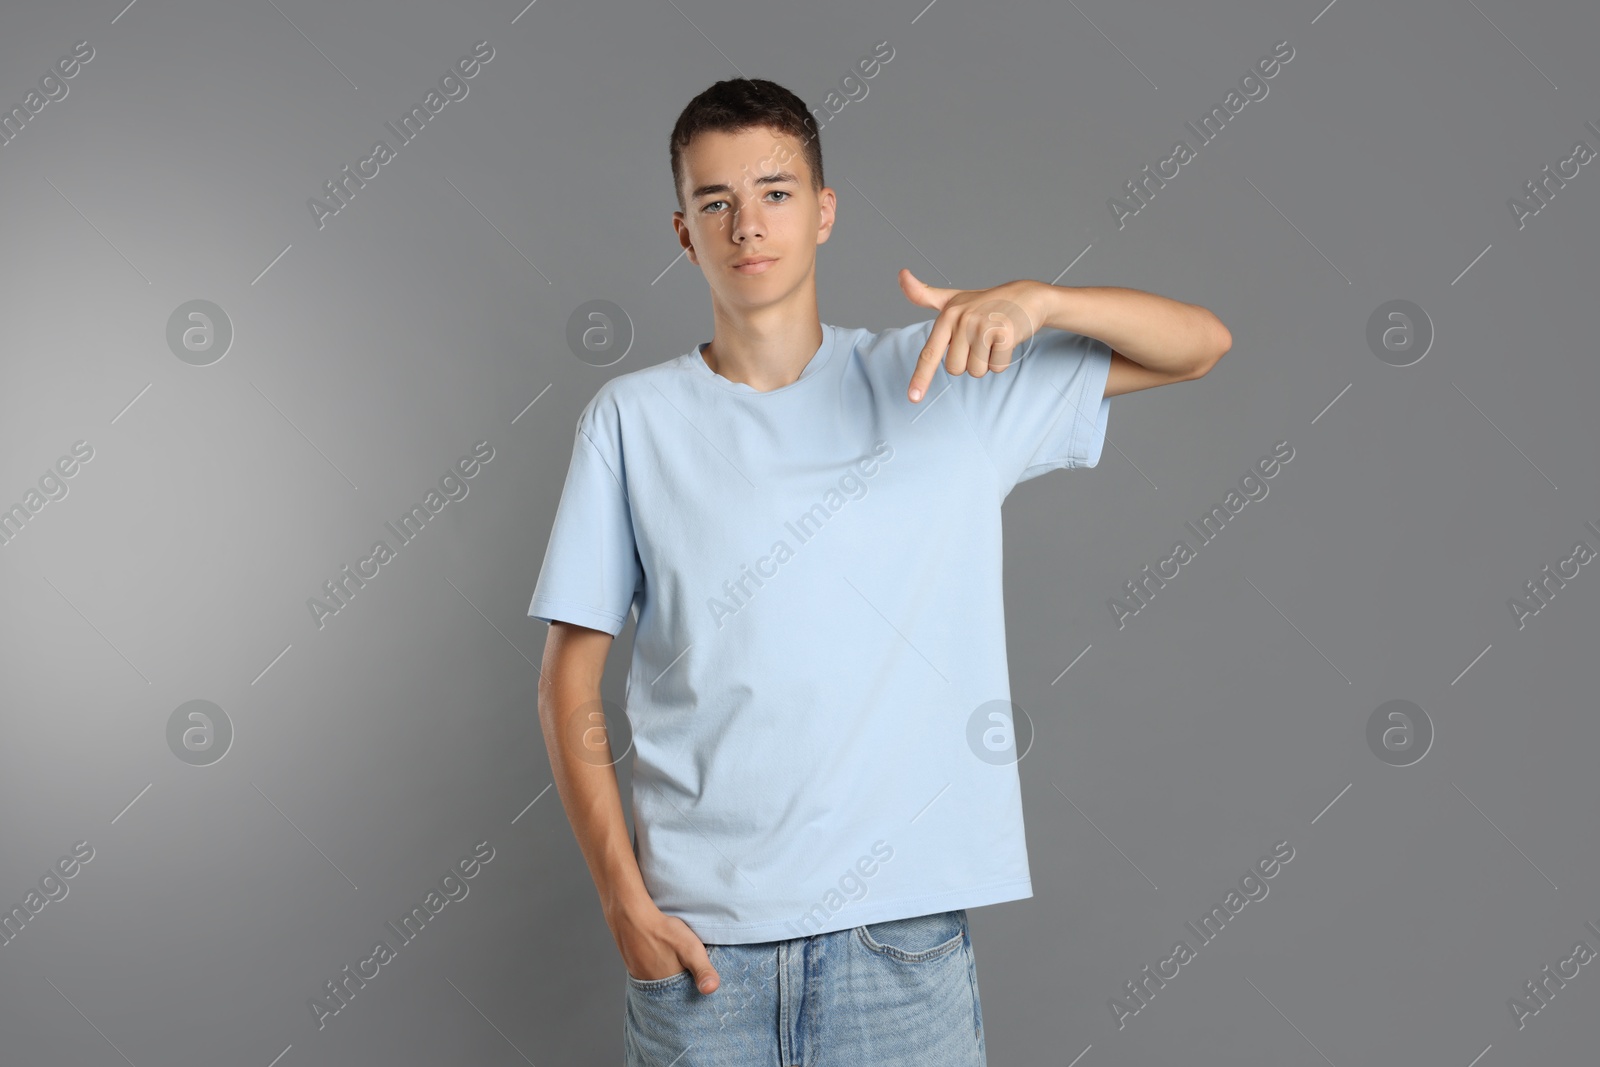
{"x": 765, "y": 179}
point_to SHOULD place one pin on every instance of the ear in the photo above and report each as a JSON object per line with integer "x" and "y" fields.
{"x": 681, "y": 230}
{"x": 827, "y": 208}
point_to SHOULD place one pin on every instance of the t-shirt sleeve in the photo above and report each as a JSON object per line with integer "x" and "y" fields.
{"x": 591, "y": 565}
{"x": 1045, "y": 411}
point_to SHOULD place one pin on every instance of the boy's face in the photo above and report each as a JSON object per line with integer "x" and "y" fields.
{"x": 748, "y": 195}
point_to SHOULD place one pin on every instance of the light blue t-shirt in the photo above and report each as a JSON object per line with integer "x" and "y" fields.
{"x": 818, "y": 695}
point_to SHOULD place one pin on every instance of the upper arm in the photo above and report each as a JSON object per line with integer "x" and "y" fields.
{"x": 574, "y": 654}
{"x": 1126, "y": 376}
{"x": 592, "y": 571}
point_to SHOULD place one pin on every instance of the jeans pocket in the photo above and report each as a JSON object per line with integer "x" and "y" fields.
{"x": 919, "y": 939}
{"x": 656, "y": 985}
{"x": 670, "y": 981}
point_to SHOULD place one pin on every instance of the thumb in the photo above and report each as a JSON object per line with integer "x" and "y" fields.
{"x": 920, "y": 293}
{"x": 706, "y": 978}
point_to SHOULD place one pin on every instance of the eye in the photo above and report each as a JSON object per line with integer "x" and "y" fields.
{"x": 776, "y": 192}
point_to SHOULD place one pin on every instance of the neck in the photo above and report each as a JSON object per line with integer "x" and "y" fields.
{"x": 767, "y": 350}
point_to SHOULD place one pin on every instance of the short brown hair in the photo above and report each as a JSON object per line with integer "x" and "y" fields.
{"x": 740, "y": 104}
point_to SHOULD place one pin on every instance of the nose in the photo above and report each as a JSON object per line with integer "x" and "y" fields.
{"x": 747, "y": 223}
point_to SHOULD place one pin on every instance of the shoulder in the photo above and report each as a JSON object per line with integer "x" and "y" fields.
{"x": 888, "y": 355}
{"x": 895, "y": 341}
{"x": 618, "y": 402}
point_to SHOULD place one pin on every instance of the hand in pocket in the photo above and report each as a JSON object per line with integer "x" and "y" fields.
{"x": 655, "y": 945}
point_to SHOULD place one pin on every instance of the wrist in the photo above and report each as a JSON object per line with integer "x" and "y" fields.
{"x": 1058, "y": 302}
{"x": 627, "y": 908}
{"x": 624, "y": 895}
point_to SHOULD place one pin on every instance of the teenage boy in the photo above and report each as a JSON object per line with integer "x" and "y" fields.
{"x": 824, "y": 777}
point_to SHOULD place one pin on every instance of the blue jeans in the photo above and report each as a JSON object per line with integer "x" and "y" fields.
{"x": 889, "y": 994}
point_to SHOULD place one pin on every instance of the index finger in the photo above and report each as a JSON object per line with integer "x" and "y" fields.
{"x": 929, "y": 357}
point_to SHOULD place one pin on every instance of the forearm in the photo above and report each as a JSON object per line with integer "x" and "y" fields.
{"x": 587, "y": 783}
{"x": 1153, "y": 331}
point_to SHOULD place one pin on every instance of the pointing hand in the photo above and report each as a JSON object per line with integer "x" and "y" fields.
{"x": 979, "y": 327}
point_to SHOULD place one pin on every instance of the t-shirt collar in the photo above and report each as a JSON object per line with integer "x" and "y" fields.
{"x": 819, "y": 359}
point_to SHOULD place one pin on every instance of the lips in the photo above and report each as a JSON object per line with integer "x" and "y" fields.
{"x": 754, "y": 266}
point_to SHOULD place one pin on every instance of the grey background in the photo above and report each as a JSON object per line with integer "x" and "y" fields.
{"x": 369, "y": 355}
